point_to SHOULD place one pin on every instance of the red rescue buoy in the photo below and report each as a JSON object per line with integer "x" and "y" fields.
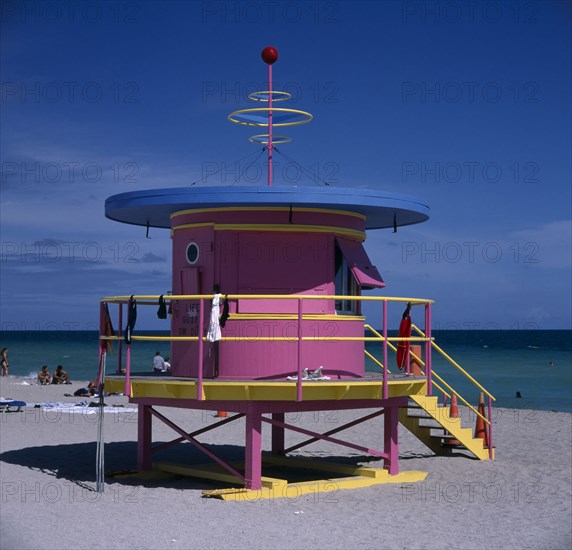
{"x": 404, "y": 332}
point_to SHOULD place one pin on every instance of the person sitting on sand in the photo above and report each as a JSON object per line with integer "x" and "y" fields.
{"x": 4, "y": 359}
{"x": 167, "y": 365}
{"x": 60, "y": 376}
{"x": 44, "y": 376}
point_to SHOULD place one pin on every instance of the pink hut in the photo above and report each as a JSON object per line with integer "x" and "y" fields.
{"x": 292, "y": 264}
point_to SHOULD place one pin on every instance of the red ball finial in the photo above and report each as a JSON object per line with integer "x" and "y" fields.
{"x": 270, "y": 55}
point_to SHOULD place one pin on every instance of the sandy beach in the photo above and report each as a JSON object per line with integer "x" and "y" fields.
{"x": 521, "y": 500}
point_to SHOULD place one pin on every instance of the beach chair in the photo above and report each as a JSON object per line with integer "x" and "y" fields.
{"x": 9, "y": 405}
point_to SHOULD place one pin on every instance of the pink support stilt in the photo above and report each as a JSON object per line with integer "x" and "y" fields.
{"x": 385, "y": 386}
{"x": 278, "y": 434}
{"x": 390, "y": 438}
{"x": 253, "y": 457}
{"x": 144, "y": 437}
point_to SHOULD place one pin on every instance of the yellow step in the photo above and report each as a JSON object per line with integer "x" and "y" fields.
{"x": 430, "y": 404}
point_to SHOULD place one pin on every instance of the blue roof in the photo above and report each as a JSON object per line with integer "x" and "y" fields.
{"x": 154, "y": 207}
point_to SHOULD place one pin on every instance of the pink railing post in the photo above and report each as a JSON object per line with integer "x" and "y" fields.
{"x": 128, "y": 371}
{"x": 127, "y": 390}
{"x": 299, "y": 381}
{"x": 200, "y": 352}
{"x": 407, "y": 355}
{"x": 490, "y": 427}
{"x": 384, "y": 332}
{"x": 120, "y": 341}
{"x": 428, "y": 349}
{"x": 99, "y": 341}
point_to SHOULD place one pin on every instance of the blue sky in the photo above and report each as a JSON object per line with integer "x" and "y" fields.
{"x": 466, "y": 105}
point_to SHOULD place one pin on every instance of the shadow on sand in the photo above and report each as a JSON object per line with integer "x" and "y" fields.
{"x": 76, "y": 463}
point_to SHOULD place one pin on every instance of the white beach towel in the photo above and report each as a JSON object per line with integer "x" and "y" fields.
{"x": 82, "y": 407}
{"x": 214, "y": 333}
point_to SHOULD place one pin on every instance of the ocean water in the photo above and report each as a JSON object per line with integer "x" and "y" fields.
{"x": 504, "y": 362}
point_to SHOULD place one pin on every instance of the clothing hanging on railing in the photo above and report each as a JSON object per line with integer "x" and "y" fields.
{"x": 214, "y": 333}
{"x": 131, "y": 319}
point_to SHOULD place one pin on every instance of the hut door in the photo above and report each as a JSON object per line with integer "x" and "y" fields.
{"x": 199, "y": 280}
{"x": 185, "y": 323}
{"x": 190, "y": 308}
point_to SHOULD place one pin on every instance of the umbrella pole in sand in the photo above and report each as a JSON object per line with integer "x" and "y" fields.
{"x": 100, "y": 483}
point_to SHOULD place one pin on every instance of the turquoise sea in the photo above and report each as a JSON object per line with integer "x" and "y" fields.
{"x": 504, "y": 362}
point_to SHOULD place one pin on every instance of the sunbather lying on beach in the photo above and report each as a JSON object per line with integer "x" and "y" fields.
{"x": 60, "y": 376}
{"x": 90, "y": 391}
{"x": 44, "y": 376}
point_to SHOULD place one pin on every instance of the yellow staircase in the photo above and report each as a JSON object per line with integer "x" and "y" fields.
{"x": 447, "y": 428}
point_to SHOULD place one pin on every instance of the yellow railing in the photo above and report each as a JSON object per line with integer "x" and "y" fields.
{"x": 152, "y": 300}
{"x": 448, "y": 386}
{"x": 299, "y": 338}
{"x": 418, "y": 359}
{"x": 174, "y": 297}
{"x": 385, "y": 340}
{"x": 455, "y": 364}
{"x": 375, "y": 360}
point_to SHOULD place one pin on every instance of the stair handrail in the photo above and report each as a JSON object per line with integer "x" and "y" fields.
{"x": 375, "y": 360}
{"x": 380, "y": 337}
{"x": 445, "y": 383}
{"x": 422, "y": 363}
{"x": 484, "y": 418}
{"x": 491, "y": 397}
{"x": 455, "y": 364}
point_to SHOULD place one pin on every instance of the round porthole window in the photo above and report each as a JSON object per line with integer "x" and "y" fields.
{"x": 193, "y": 253}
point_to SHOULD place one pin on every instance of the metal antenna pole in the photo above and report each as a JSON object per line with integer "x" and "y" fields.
{"x": 270, "y": 146}
{"x": 264, "y": 116}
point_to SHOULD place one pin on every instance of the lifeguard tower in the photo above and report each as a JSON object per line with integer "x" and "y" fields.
{"x": 292, "y": 264}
